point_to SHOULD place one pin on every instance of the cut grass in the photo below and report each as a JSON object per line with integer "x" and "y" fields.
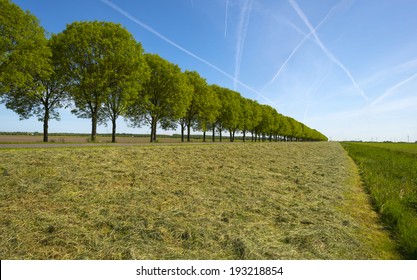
{"x": 247, "y": 201}
{"x": 391, "y": 179}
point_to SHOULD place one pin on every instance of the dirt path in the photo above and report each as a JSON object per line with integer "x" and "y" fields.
{"x": 68, "y": 145}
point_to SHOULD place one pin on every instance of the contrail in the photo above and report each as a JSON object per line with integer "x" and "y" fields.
{"x": 298, "y": 46}
{"x": 392, "y": 89}
{"x": 300, "y": 13}
{"x": 241, "y": 37}
{"x": 225, "y": 20}
{"x": 153, "y": 31}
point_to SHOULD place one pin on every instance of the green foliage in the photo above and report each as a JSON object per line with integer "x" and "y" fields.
{"x": 164, "y": 98}
{"x": 46, "y": 96}
{"x": 230, "y": 117}
{"x": 391, "y": 179}
{"x": 266, "y": 126}
{"x": 105, "y": 68}
{"x": 29, "y": 82}
{"x": 199, "y": 100}
{"x": 209, "y": 110}
{"x": 126, "y": 84}
{"x": 30, "y": 75}
{"x": 23, "y": 49}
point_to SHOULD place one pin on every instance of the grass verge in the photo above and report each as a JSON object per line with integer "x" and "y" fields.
{"x": 391, "y": 179}
{"x": 247, "y": 201}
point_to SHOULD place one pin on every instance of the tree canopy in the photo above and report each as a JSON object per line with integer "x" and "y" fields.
{"x": 163, "y": 99}
{"x": 105, "y": 67}
{"x": 23, "y": 49}
{"x": 101, "y": 71}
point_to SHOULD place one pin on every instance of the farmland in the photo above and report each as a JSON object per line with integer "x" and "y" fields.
{"x": 400, "y": 147}
{"x": 81, "y": 138}
{"x": 390, "y": 175}
{"x": 245, "y": 201}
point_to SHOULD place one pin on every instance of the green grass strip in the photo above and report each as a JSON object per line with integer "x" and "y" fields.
{"x": 391, "y": 179}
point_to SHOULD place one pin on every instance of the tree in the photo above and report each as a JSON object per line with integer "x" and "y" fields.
{"x": 265, "y": 127}
{"x": 199, "y": 99}
{"x": 102, "y": 59}
{"x": 30, "y": 79}
{"x": 295, "y": 129}
{"x": 231, "y": 113}
{"x": 256, "y": 119}
{"x": 251, "y": 116}
{"x": 209, "y": 111}
{"x": 164, "y": 98}
{"x": 125, "y": 84}
{"x": 217, "y": 122}
{"x": 23, "y": 49}
{"x": 48, "y": 94}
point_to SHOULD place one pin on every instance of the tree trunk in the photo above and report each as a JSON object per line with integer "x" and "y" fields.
{"x": 153, "y": 129}
{"x": 204, "y": 136}
{"x": 113, "y": 130}
{"x": 94, "y": 127}
{"x": 182, "y": 132}
{"x": 244, "y": 135}
{"x": 231, "y": 136}
{"x": 188, "y": 131}
{"x": 214, "y": 133}
{"x": 154, "y": 132}
{"x": 45, "y": 125}
{"x": 220, "y": 136}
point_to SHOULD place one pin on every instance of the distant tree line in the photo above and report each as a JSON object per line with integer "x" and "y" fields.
{"x": 99, "y": 71}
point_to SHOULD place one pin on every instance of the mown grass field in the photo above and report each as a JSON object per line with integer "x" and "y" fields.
{"x": 232, "y": 201}
{"x": 390, "y": 175}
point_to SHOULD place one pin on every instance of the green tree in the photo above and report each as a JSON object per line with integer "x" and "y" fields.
{"x": 24, "y": 52}
{"x": 251, "y": 116}
{"x": 199, "y": 99}
{"x": 209, "y": 111}
{"x": 126, "y": 82}
{"x": 164, "y": 98}
{"x": 47, "y": 95}
{"x": 256, "y": 118}
{"x": 247, "y": 115}
{"x": 231, "y": 112}
{"x": 282, "y": 127}
{"x": 295, "y": 129}
{"x": 216, "y": 123}
{"x": 30, "y": 79}
{"x": 266, "y": 126}
{"x": 98, "y": 57}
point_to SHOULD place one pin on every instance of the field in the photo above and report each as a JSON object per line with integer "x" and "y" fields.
{"x": 61, "y": 138}
{"x": 401, "y": 147}
{"x": 231, "y": 201}
{"x": 390, "y": 175}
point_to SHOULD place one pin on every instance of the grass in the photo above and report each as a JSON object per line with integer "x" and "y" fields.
{"x": 391, "y": 179}
{"x": 401, "y": 147}
{"x": 246, "y": 201}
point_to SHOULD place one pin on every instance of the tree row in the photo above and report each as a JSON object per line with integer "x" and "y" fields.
{"x": 99, "y": 71}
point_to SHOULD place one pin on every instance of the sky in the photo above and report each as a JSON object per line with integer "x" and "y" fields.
{"x": 346, "y": 68}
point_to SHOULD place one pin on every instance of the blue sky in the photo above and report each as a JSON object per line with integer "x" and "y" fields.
{"x": 346, "y": 68}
